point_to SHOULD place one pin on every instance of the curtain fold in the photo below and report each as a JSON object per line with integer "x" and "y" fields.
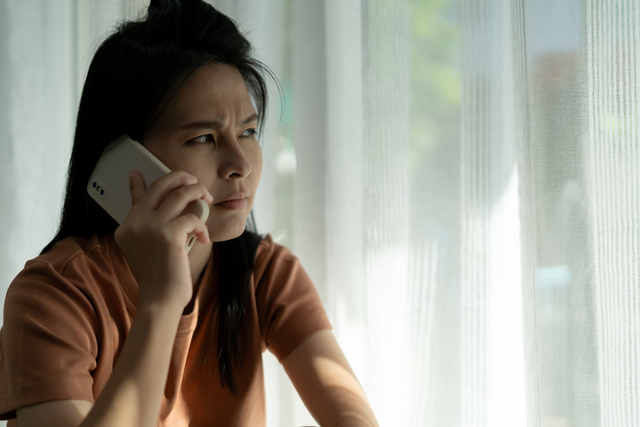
{"x": 37, "y": 105}
{"x": 492, "y": 353}
{"x": 613, "y": 37}
{"x": 385, "y": 220}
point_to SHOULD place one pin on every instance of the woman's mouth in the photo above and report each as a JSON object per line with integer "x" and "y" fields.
{"x": 233, "y": 204}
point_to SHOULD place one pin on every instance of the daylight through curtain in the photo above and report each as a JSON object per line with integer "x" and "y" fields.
{"x": 459, "y": 178}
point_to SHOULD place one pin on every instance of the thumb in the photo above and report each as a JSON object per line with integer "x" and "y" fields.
{"x": 136, "y": 186}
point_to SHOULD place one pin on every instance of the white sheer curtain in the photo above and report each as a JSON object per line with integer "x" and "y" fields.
{"x": 459, "y": 177}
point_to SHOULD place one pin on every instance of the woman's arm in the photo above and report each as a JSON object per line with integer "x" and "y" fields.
{"x": 153, "y": 237}
{"x": 328, "y": 387}
{"x": 133, "y": 394}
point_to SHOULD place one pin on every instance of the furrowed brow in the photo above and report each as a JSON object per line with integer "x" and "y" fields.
{"x": 249, "y": 119}
{"x": 203, "y": 124}
{"x": 217, "y": 124}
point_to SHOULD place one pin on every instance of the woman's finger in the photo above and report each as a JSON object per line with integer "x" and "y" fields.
{"x": 158, "y": 190}
{"x": 136, "y": 186}
{"x": 189, "y": 224}
{"x": 176, "y": 202}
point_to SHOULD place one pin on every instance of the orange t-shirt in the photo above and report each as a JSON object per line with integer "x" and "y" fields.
{"x": 67, "y": 315}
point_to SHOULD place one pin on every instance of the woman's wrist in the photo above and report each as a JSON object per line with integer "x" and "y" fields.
{"x": 160, "y": 308}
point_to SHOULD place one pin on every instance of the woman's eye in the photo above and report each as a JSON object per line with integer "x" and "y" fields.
{"x": 202, "y": 139}
{"x": 249, "y": 132}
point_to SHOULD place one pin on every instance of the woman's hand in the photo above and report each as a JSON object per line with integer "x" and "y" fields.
{"x": 154, "y": 236}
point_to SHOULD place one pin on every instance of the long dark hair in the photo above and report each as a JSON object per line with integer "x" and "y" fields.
{"x": 133, "y": 75}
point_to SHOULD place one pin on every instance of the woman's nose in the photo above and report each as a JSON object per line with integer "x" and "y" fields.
{"x": 234, "y": 161}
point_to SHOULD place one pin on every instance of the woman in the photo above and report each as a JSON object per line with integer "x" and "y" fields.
{"x": 183, "y": 83}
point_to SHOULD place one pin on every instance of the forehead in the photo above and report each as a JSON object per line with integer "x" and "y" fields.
{"x": 214, "y": 91}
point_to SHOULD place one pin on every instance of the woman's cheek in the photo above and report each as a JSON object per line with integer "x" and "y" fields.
{"x": 257, "y": 164}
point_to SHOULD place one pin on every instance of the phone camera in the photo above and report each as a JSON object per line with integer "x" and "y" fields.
{"x": 98, "y": 190}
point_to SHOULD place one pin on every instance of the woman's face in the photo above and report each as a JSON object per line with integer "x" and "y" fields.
{"x": 208, "y": 129}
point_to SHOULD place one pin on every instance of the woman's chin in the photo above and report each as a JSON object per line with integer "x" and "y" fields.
{"x": 223, "y": 232}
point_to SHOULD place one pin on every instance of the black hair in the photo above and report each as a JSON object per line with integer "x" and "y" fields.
{"x": 133, "y": 75}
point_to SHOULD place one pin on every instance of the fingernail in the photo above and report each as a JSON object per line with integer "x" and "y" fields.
{"x": 130, "y": 174}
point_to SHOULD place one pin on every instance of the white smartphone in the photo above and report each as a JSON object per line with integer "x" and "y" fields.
{"x": 109, "y": 181}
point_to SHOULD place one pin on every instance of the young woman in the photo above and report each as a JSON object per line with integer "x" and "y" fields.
{"x": 119, "y": 325}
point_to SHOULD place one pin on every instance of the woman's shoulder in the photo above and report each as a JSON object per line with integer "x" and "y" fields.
{"x": 288, "y": 305}
{"x": 74, "y": 261}
{"x": 69, "y": 248}
{"x": 269, "y": 252}
{"x": 69, "y": 253}
{"x": 276, "y": 264}
{"x": 269, "y": 246}
{"x": 266, "y": 244}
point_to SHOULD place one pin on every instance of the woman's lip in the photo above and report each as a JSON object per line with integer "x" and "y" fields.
{"x": 236, "y": 196}
{"x": 233, "y": 204}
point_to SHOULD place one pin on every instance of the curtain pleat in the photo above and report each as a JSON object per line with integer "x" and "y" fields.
{"x": 385, "y": 215}
{"x": 522, "y": 126}
{"x": 613, "y": 37}
{"x": 345, "y": 182}
{"x": 37, "y": 108}
{"x": 492, "y": 353}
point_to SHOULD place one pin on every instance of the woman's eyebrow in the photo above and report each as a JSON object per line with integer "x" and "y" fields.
{"x": 249, "y": 119}
{"x": 217, "y": 123}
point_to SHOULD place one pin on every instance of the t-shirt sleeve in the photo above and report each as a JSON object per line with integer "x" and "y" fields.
{"x": 289, "y": 307}
{"x": 48, "y": 344}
